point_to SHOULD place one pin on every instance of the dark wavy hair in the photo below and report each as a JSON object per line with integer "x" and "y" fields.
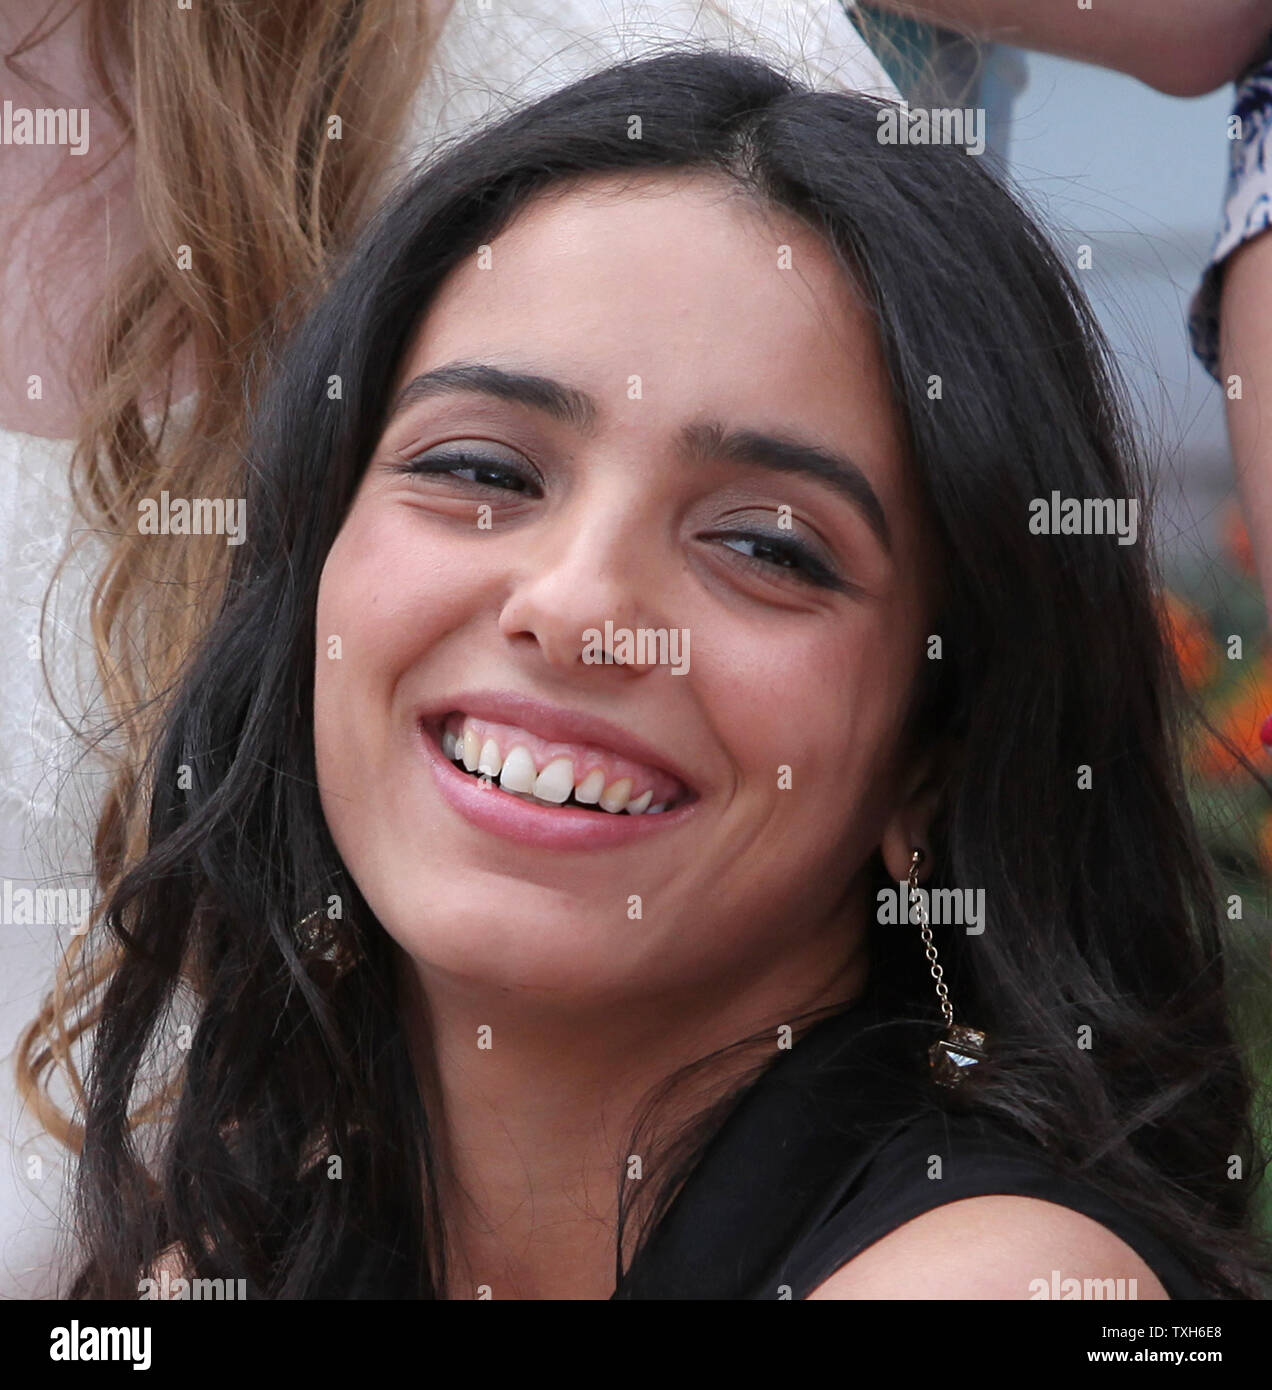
{"x": 1101, "y": 908}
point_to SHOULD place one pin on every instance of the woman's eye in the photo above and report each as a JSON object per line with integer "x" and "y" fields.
{"x": 782, "y": 554}
{"x": 468, "y": 466}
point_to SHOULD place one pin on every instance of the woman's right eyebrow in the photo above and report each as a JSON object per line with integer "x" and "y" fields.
{"x": 565, "y": 403}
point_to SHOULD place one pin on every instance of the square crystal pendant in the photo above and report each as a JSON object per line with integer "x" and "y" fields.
{"x": 954, "y": 1055}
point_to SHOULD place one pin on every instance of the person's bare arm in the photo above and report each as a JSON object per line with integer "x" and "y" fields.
{"x": 1182, "y": 47}
{"x": 992, "y": 1247}
{"x": 1245, "y": 352}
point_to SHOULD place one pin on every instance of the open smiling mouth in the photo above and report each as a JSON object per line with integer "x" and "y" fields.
{"x": 552, "y": 774}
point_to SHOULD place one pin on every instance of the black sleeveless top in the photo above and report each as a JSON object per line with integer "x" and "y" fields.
{"x": 831, "y": 1149}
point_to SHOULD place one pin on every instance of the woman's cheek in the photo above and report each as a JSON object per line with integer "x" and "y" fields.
{"x": 343, "y": 646}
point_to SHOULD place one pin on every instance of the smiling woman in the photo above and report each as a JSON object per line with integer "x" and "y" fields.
{"x": 596, "y": 1003}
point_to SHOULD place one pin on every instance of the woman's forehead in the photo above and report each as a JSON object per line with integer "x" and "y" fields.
{"x": 661, "y": 277}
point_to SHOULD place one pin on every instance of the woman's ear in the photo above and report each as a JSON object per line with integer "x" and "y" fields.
{"x": 907, "y": 829}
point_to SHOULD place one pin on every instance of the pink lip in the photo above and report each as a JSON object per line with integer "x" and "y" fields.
{"x": 552, "y": 723}
{"x": 542, "y": 827}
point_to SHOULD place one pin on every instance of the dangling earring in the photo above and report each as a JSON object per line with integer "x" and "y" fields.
{"x": 962, "y": 1047}
{"x": 329, "y": 949}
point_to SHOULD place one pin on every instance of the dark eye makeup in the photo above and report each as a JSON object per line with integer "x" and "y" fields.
{"x": 773, "y": 556}
{"x": 486, "y": 470}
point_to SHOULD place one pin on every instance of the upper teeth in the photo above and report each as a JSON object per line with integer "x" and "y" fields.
{"x": 554, "y": 783}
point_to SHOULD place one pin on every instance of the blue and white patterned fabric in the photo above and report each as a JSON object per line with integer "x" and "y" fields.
{"x": 1247, "y": 206}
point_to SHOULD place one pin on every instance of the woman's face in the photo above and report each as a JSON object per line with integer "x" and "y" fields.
{"x": 652, "y": 407}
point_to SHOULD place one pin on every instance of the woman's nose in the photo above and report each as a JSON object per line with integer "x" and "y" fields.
{"x": 577, "y": 590}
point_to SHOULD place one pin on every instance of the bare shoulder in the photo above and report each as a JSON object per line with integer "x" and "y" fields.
{"x": 991, "y": 1247}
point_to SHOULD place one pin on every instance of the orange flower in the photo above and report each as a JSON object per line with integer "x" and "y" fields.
{"x": 1190, "y": 639}
{"x": 1240, "y": 721}
{"x": 1265, "y": 844}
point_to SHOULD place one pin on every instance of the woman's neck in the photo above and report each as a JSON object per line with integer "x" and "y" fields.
{"x": 533, "y": 1106}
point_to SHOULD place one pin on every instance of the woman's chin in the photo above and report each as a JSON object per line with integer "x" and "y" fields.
{"x": 479, "y": 948}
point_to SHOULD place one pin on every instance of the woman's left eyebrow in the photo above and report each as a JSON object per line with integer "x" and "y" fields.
{"x": 700, "y": 440}
{"x": 709, "y": 439}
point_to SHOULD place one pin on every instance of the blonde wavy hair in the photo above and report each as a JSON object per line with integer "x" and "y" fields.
{"x": 229, "y": 109}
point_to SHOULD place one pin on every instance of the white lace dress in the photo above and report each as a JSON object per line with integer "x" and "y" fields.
{"x": 491, "y": 55}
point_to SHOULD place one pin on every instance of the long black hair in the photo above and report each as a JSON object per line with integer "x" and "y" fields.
{"x": 1054, "y": 690}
